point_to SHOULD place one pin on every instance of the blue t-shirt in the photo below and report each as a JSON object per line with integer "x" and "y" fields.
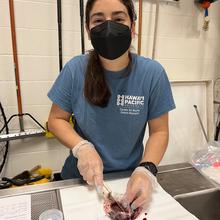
{"x": 117, "y": 130}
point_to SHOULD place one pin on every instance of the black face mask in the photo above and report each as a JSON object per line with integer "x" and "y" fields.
{"x": 111, "y": 39}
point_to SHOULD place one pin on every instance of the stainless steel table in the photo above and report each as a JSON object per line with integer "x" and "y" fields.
{"x": 175, "y": 179}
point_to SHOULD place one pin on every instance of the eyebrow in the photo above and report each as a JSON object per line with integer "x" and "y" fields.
{"x": 113, "y": 13}
{"x": 118, "y": 13}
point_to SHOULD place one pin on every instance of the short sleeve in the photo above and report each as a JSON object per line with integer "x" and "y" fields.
{"x": 60, "y": 93}
{"x": 161, "y": 98}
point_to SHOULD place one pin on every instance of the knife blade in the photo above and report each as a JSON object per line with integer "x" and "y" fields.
{"x": 109, "y": 195}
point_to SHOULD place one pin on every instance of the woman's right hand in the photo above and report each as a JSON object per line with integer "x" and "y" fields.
{"x": 90, "y": 166}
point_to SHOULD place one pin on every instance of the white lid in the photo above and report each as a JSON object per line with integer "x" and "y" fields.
{"x": 51, "y": 214}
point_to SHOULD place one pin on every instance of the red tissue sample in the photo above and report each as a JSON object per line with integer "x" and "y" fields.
{"x": 116, "y": 213}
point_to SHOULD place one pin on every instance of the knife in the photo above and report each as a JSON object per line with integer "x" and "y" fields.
{"x": 109, "y": 196}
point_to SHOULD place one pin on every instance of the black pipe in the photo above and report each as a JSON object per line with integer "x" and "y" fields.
{"x": 217, "y": 131}
{"x": 59, "y": 21}
{"x": 81, "y": 4}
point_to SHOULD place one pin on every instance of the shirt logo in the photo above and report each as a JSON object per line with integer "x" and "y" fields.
{"x": 130, "y": 100}
{"x": 130, "y": 104}
{"x": 120, "y": 100}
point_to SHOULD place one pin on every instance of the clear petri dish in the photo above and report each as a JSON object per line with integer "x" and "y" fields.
{"x": 51, "y": 214}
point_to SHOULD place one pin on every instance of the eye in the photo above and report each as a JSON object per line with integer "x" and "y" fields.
{"x": 98, "y": 21}
{"x": 119, "y": 20}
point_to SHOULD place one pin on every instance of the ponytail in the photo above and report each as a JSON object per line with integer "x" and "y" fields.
{"x": 96, "y": 90}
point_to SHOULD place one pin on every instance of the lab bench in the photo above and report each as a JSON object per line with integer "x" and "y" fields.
{"x": 176, "y": 179}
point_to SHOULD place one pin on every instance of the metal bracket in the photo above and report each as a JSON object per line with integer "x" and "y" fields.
{"x": 22, "y": 134}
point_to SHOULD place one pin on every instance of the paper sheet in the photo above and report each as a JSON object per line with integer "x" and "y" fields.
{"x": 82, "y": 203}
{"x": 15, "y": 208}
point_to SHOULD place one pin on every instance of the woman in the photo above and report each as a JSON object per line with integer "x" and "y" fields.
{"x": 113, "y": 94}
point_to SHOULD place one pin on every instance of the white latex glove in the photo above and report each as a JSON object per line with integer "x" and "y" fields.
{"x": 89, "y": 163}
{"x": 139, "y": 188}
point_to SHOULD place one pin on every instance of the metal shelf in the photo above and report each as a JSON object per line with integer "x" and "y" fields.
{"x": 21, "y": 135}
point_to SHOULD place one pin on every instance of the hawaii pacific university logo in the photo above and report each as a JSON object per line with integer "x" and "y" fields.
{"x": 120, "y": 100}
{"x": 130, "y": 104}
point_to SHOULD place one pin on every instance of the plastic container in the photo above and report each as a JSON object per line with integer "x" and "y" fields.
{"x": 51, "y": 214}
{"x": 207, "y": 162}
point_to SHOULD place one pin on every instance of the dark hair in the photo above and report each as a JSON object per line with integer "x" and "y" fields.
{"x": 96, "y": 90}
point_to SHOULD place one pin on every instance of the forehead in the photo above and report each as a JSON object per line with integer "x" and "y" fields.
{"x": 107, "y": 7}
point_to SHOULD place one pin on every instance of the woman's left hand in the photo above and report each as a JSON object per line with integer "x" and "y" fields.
{"x": 139, "y": 189}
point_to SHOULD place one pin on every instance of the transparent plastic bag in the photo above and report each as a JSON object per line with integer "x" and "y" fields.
{"x": 207, "y": 162}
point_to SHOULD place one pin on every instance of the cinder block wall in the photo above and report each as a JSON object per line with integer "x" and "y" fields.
{"x": 185, "y": 50}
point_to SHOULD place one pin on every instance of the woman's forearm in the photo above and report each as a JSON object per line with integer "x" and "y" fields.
{"x": 155, "y": 147}
{"x": 64, "y": 132}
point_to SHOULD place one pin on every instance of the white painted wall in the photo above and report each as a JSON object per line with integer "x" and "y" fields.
{"x": 185, "y": 50}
